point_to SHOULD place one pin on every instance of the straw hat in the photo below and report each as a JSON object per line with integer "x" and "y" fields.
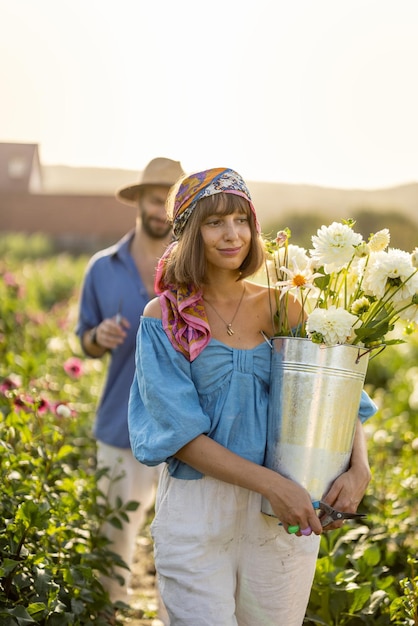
{"x": 160, "y": 171}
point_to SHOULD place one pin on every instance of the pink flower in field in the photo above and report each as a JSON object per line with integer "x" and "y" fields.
{"x": 24, "y": 403}
{"x": 43, "y": 406}
{"x": 38, "y": 318}
{"x": 74, "y": 367}
{"x": 18, "y": 403}
{"x": 19, "y": 318}
{"x": 10, "y": 280}
{"x": 9, "y": 383}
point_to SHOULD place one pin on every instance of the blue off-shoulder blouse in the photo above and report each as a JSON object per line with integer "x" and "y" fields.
{"x": 223, "y": 393}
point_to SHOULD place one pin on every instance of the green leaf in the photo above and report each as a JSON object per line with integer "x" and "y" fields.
{"x": 360, "y": 597}
{"x": 316, "y": 619}
{"x": 77, "y": 606}
{"x": 376, "y": 599}
{"x": 115, "y": 521}
{"x": 372, "y": 555}
{"x": 132, "y": 506}
{"x": 322, "y": 282}
{"x": 64, "y": 451}
{"x": 7, "y": 566}
{"x": 374, "y": 331}
{"x": 21, "y": 615}
{"x": 33, "y": 514}
{"x": 346, "y": 576}
{"x": 37, "y": 609}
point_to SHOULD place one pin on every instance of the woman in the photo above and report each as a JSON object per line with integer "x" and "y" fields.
{"x": 199, "y": 403}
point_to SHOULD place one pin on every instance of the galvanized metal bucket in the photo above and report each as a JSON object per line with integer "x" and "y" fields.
{"x": 315, "y": 393}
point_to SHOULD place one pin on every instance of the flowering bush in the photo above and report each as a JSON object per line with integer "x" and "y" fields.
{"x": 351, "y": 291}
{"x": 52, "y": 551}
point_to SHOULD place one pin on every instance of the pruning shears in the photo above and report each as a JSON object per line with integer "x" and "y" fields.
{"x": 118, "y": 317}
{"x": 332, "y": 515}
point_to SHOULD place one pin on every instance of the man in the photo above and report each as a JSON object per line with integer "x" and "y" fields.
{"x": 118, "y": 283}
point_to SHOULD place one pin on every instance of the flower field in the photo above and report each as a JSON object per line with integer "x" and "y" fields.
{"x": 50, "y": 514}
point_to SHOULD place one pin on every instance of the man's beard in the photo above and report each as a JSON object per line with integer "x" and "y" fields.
{"x": 154, "y": 227}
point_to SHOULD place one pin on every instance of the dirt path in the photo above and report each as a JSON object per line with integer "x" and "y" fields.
{"x": 144, "y": 600}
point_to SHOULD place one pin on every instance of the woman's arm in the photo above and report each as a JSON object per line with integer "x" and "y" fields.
{"x": 290, "y": 502}
{"x": 348, "y": 489}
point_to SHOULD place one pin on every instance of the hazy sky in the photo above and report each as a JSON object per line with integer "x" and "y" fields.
{"x": 308, "y": 91}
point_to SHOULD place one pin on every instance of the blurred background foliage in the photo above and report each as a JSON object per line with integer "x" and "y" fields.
{"x": 403, "y": 229}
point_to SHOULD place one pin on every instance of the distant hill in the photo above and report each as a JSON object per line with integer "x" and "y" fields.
{"x": 272, "y": 200}
{"x": 63, "y": 179}
{"x": 278, "y": 198}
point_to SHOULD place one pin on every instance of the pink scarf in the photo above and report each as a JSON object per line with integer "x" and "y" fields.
{"x": 183, "y": 314}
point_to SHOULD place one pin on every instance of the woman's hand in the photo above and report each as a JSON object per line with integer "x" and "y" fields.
{"x": 347, "y": 490}
{"x": 346, "y": 493}
{"x": 292, "y": 504}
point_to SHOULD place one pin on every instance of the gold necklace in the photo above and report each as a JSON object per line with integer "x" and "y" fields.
{"x": 229, "y": 329}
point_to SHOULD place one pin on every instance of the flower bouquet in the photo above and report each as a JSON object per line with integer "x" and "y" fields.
{"x": 352, "y": 292}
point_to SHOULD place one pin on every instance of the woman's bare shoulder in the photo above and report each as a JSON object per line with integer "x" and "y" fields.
{"x": 260, "y": 296}
{"x": 153, "y": 309}
{"x": 258, "y": 290}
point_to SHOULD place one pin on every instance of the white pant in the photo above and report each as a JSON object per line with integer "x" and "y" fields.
{"x": 134, "y": 482}
{"x": 221, "y": 562}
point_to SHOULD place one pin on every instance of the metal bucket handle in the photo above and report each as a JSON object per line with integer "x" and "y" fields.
{"x": 380, "y": 347}
{"x": 266, "y": 338}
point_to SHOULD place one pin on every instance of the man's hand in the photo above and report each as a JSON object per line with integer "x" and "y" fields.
{"x": 107, "y": 335}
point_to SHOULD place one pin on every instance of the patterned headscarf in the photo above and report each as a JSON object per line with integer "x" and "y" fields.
{"x": 203, "y": 184}
{"x": 183, "y": 312}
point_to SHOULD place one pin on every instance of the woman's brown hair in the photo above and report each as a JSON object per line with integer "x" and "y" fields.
{"x": 186, "y": 264}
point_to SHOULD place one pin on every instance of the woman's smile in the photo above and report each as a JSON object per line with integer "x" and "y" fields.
{"x": 230, "y": 251}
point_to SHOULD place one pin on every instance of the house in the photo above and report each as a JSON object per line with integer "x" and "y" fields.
{"x": 74, "y": 221}
{"x": 20, "y": 168}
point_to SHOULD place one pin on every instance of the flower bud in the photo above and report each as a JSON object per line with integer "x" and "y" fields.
{"x": 380, "y": 240}
{"x": 362, "y": 250}
{"x": 62, "y": 410}
{"x": 414, "y": 258}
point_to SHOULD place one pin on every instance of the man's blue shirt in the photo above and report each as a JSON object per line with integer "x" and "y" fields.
{"x": 112, "y": 282}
